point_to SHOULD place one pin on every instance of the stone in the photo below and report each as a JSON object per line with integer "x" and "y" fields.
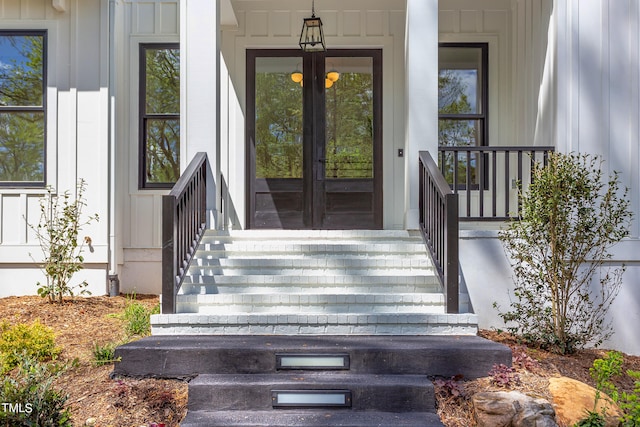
{"x": 572, "y": 399}
{"x": 512, "y": 409}
{"x": 90, "y": 422}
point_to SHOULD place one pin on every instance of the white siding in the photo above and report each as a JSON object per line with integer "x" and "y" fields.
{"x": 76, "y": 137}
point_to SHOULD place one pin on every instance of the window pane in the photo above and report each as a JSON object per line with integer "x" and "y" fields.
{"x": 163, "y": 81}
{"x": 21, "y": 70}
{"x": 278, "y": 119}
{"x": 460, "y": 80}
{"x": 349, "y": 115}
{"x": 163, "y": 146}
{"x": 459, "y": 133}
{"x": 22, "y": 147}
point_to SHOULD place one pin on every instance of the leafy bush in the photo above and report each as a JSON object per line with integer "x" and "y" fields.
{"x": 57, "y": 232}
{"x": 31, "y": 340}
{"x": 30, "y": 399}
{"x": 504, "y": 376}
{"x": 630, "y": 402}
{"x": 570, "y": 219}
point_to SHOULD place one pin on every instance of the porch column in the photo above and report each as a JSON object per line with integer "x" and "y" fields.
{"x": 200, "y": 89}
{"x": 421, "y": 95}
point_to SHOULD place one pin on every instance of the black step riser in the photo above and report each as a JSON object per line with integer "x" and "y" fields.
{"x": 364, "y": 398}
{"x": 186, "y": 356}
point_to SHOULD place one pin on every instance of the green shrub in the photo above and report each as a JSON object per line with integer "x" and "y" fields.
{"x": 29, "y": 398}
{"x": 31, "y": 340}
{"x": 571, "y": 217}
{"x": 630, "y": 402}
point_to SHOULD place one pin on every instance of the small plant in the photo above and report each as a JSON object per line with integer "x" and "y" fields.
{"x": 104, "y": 354}
{"x": 523, "y": 361}
{"x": 137, "y": 317}
{"x": 31, "y": 399}
{"x": 593, "y": 419}
{"x": 58, "y": 230}
{"x": 452, "y": 387}
{"x": 504, "y": 376}
{"x": 570, "y": 220}
{"x": 602, "y": 371}
{"x": 630, "y": 402}
{"x": 34, "y": 340}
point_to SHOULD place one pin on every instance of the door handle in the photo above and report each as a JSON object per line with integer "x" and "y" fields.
{"x": 322, "y": 160}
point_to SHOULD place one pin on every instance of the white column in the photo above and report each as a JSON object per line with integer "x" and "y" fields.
{"x": 200, "y": 84}
{"x": 421, "y": 95}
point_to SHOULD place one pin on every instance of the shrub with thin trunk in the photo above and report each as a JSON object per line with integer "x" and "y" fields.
{"x": 58, "y": 231}
{"x": 559, "y": 249}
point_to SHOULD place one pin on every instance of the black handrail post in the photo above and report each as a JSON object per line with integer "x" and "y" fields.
{"x": 451, "y": 243}
{"x": 169, "y": 238}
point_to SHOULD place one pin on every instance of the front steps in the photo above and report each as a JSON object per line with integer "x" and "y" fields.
{"x": 292, "y": 282}
{"x": 367, "y": 300}
{"x": 387, "y": 377}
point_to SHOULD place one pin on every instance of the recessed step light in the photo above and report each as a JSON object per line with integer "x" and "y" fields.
{"x": 311, "y": 398}
{"x": 312, "y": 361}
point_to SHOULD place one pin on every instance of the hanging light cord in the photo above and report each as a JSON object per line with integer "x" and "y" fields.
{"x": 313, "y": 8}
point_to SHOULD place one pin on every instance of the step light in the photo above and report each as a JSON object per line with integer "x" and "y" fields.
{"x": 311, "y": 398}
{"x": 312, "y": 361}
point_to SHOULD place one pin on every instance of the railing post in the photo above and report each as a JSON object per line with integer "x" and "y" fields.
{"x": 169, "y": 238}
{"x": 451, "y": 254}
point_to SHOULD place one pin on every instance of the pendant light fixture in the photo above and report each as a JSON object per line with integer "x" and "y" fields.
{"x": 312, "y": 36}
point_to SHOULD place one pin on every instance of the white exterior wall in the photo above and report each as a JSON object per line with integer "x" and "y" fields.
{"x": 587, "y": 81}
{"x": 347, "y": 24}
{"x": 77, "y": 137}
{"x": 139, "y": 211}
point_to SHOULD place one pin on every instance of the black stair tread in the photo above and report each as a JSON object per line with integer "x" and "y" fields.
{"x": 311, "y": 379}
{"x": 310, "y": 418}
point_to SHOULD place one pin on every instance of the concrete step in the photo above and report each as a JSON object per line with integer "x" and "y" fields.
{"x": 314, "y": 324}
{"x": 251, "y": 392}
{"x": 325, "y": 235}
{"x": 291, "y": 283}
{"x": 312, "y": 261}
{"x": 311, "y": 303}
{"x": 311, "y": 418}
{"x": 187, "y": 356}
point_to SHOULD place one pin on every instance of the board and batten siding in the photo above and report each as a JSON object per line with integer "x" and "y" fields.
{"x": 140, "y": 210}
{"x": 77, "y": 137}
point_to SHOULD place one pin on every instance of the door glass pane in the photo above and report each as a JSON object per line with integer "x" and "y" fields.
{"x": 278, "y": 136}
{"x": 349, "y": 117}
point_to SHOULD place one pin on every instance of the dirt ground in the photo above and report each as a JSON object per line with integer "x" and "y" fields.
{"x": 83, "y": 322}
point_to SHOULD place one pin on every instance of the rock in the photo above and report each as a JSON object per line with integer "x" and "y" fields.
{"x": 572, "y": 399}
{"x": 512, "y": 409}
{"x": 90, "y": 422}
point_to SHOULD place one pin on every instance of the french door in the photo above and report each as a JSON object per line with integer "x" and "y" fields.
{"x": 314, "y": 140}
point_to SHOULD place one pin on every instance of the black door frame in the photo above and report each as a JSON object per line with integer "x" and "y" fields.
{"x": 313, "y": 131}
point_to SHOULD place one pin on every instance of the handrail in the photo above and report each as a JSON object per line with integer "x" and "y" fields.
{"x": 184, "y": 213}
{"x": 490, "y": 178}
{"x": 438, "y": 206}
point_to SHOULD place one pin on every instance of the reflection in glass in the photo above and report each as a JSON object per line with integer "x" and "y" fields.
{"x": 22, "y": 115}
{"x": 349, "y": 115}
{"x": 21, "y": 70}
{"x": 163, "y": 81}
{"x": 278, "y": 119}
{"x": 163, "y": 146}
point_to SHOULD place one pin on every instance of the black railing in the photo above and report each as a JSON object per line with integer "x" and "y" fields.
{"x": 490, "y": 179}
{"x": 184, "y": 213}
{"x": 438, "y": 206}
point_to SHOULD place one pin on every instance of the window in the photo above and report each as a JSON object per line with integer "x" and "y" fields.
{"x": 22, "y": 108}
{"x": 159, "y": 115}
{"x": 462, "y": 105}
